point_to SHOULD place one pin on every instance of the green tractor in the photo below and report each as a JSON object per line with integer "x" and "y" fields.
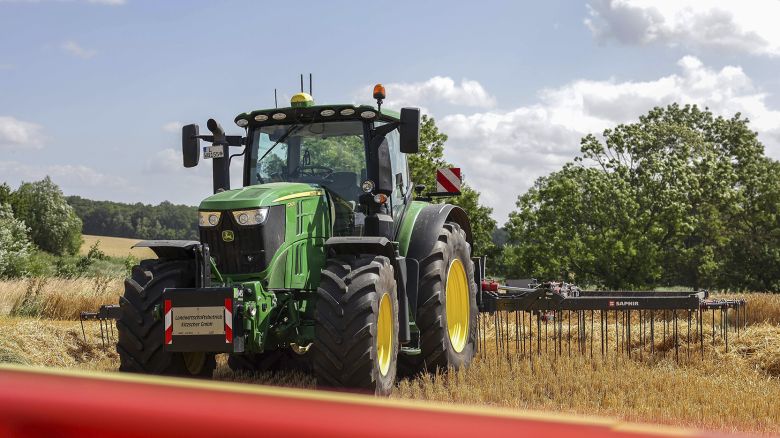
{"x": 323, "y": 260}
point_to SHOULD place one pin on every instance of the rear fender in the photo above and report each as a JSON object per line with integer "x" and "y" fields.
{"x": 429, "y": 222}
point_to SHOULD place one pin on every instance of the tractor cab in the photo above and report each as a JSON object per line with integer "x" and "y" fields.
{"x": 355, "y": 152}
{"x": 336, "y": 148}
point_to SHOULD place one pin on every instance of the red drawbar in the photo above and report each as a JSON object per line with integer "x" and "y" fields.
{"x": 228, "y": 320}
{"x": 71, "y": 405}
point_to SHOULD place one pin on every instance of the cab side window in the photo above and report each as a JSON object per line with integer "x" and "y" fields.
{"x": 400, "y": 170}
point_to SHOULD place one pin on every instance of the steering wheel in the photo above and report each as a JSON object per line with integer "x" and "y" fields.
{"x": 314, "y": 171}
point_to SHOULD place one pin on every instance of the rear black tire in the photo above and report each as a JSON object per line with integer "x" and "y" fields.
{"x": 347, "y": 325}
{"x": 140, "y": 336}
{"x": 437, "y": 349}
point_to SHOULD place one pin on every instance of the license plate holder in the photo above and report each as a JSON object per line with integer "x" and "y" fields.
{"x": 199, "y": 320}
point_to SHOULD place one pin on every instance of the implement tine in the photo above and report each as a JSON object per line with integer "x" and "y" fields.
{"x": 676, "y": 345}
{"x": 102, "y": 338}
{"x": 628, "y": 333}
{"x": 601, "y": 331}
{"x": 652, "y": 332}
{"x": 700, "y": 328}
{"x": 726, "y": 327}
{"x": 517, "y": 333}
{"x": 495, "y": 331}
{"x": 713, "y": 327}
{"x": 617, "y": 336}
{"x": 569, "y": 331}
{"x": 82, "y": 331}
{"x": 592, "y": 322}
{"x": 688, "y": 338}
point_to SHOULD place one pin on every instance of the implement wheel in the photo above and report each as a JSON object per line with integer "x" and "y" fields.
{"x": 356, "y": 324}
{"x": 141, "y": 336}
{"x": 447, "y": 316}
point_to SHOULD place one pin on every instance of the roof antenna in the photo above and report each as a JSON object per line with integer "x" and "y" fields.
{"x": 310, "y": 94}
{"x": 301, "y": 82}
{"x": 276, "y": 103}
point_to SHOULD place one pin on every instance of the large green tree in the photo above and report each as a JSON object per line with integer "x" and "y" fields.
{"x": 423, "y": 165}
{"x": 665, "y": 200}
{"x": 54, "y": 226}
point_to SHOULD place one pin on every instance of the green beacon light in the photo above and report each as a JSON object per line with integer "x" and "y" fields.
{"x": 301, "y": 100}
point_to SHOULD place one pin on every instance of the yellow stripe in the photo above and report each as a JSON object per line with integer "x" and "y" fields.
{"x": 299, "y": 195}
{"x": 341, "y": 398}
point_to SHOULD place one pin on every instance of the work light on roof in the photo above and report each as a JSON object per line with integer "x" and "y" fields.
{"x": 368, "y": 114}
{"x": 242, "y": 122}
{"x": 347, "y": 112}
{"x": 261, "y": 118}
{"x": 279, "y": 116}
{"x": 327, "y": 112}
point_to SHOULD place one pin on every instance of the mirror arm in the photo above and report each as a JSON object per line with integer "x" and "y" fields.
{"x": 382, "y": 131}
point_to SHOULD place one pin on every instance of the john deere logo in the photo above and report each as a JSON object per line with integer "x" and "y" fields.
{"x": 228, "y": 236}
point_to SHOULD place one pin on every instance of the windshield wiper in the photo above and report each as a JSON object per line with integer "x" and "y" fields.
{"x": 281, "y": 139}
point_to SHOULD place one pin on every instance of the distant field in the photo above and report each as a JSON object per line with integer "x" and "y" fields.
{"x": 116, "y": 247}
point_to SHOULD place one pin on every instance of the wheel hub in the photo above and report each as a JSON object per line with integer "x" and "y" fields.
{"x": 457, "y": 305}
{"x": 384, "y": 334}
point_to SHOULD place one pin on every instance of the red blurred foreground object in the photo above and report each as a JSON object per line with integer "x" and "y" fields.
{"x": 63, "y": 403}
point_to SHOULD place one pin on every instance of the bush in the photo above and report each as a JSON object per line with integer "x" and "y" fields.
{"x": 15, "y": 246}
{"x": 54, "y": 226}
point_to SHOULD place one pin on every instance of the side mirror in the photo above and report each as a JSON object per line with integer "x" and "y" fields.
{"x": 410, "y": 130}
{"x": 190, "y": 145}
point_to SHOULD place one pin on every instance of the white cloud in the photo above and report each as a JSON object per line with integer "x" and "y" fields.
{"x": 436, "y": 90}
{"x": 748, "y": 26}
{"x": 74, "y": 179}
{"x": 503, "y": 152}
{"x": 107, "y": 2}
{"x": 166, "y": 168}
{"x": 73, "y": 48}
{"x": 18, "y": 133}
{"x": 174, "y": 127}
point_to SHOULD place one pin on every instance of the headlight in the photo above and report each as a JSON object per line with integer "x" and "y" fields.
{"x": 208, "y": 218}
{"x": 251, "y": 217}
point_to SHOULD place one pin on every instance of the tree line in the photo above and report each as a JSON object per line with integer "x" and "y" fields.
{"x": 141, "y": 221}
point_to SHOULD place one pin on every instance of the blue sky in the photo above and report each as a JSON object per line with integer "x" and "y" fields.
{"x": 93, "y": 92}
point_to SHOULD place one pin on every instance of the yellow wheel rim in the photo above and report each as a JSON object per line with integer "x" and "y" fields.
{"x": 458, "y": 309}
{"x": 194, "y": 362}
{"x": 384, "y": 334}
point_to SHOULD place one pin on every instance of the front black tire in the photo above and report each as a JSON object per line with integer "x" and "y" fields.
{"x": 438, "y": 350}
{"x": 140, "y": 335}
{"x": 356, "y": 325}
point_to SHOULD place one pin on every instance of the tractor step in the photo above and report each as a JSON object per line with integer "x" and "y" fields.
{"x": 410, "y": 351}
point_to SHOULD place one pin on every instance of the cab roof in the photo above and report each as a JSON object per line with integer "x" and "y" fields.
{"x": 315, "y": 113}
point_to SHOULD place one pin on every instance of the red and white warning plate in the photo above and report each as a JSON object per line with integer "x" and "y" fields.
{"x": 448, "y": 180}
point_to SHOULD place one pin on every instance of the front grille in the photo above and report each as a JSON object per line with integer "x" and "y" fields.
{"x": 252, "y": 247}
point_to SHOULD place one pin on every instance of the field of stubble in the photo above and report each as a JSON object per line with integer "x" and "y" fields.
{"x": 727, "y": 391}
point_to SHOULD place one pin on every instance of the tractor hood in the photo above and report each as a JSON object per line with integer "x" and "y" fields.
{"x": 260, "y": 195}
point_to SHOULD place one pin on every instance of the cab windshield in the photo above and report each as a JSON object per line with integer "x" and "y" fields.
{"x": 331, "y": 154}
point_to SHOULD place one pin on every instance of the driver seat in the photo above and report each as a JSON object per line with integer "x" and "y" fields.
{"x": 344, "y": 184}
